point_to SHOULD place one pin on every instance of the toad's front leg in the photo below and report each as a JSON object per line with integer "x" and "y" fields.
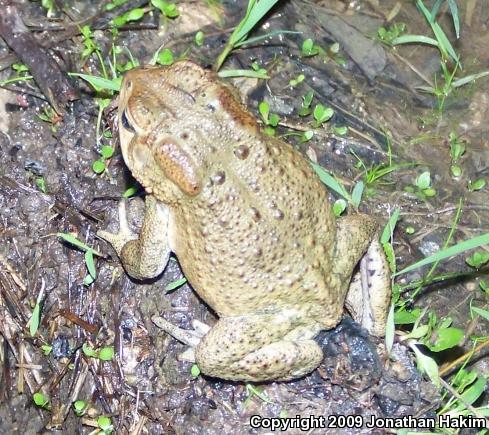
{"x": 144, "y": 256}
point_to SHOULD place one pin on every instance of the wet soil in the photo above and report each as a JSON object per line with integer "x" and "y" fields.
{"x": 145, "y": 389}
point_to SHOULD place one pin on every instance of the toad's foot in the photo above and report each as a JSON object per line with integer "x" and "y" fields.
{"x": 124, "y": 236}
{"x": 259, "y": 347}
{"x": 189, "y": 337}
{"x": 144, "y": 256}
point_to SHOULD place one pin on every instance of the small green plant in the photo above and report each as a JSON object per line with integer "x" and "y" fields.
{"x": 199, "y": 38}
{"x": 387, "y": 35}
{"x": 321, "y": 115}
{"x": 41, "y": 184}
{"x": 104, "y": 353}
{"x": 450, "y": 62}
{"x": 100, "y": 165}
{"x": 195, "y": 371}
{"x": 169, "y": 10}
{"x": 50, "y": 116}
{"x": 165, "y": 57}
{"x": 476, "y": 185}
{"x": 89, "y": 256}
{"x": 305, "y": 109}
{"x": 478, "y": 259}
{"x": 41, "y": 400}
{"x": 309, "y": 48}
{"x": 133, "y": 15}
{"x": 256, "y": 72}
{"x": 339, "y": 206}
{"x": 457, "y": 150}
{"x": 270, "y": 120}
{"x": 105, "y": 426}
{"x": 114, "y": 4}
{"x": 297, "y": 81}
{"x": 50, "y": 7}
{"x": 46, "y": 349}
{"x": 422, "y": 186}
{"x": 255, "y": 11}
{"x": 80, "y": 407}
{"x": 256, "y": 391}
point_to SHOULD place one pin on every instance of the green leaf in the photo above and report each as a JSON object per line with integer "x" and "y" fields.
{"x": 307, "y": 136}
{"x": 41, "y": 184}
{"x": 273, "y": 120}
{"x": 100, "y": 83}
{"x": 468, "y": 79}
{"x": 165, "y": 57}
{"x": 195, "y": 371}
{"x": 340, "y": 130}
{"x": 339, "y": 207}
{"x": 104, "y": 423}
{"x": 391, "y": 257}
{"x": 175, "y": 284}
{"x": 424, "y": 180}
{"x": 264, "y": 110}
{"x": 390, "y": 226}
{"x": 307, "y": 99}
{"x": 90, "y": 262}
{"x": 260, "y": 74}
{"x": 80, "y": 406}
{"x": 67, "y": 237}
{"x": 430, "y": 192}
{"x": 477, "y": 185}
{"x": 256, "y": 11}
{"x": 417, "y": 39}
{"x": 88, "y": 280}
{"x": 88, "y": 351}
{"x": 356, "y": 195}
{"x": 330, "y": 181}
{"x": 404, "y": 317}
{"x": 470, "y": 395}
{"x": 40, "y": 400}
{"x": 483, "y": 313}
{"x": 98, "y": 166}
{"x": 46, "y": 349}
{"x": 475, "y": 242}
{"x": 168, "y": 9}
{"x": 107, "y": 152}
{"x": 478, "y": 259}
{"x": 309, "y": 48}
{"x": 199, "y": 38}
{"x": 322, "y": 114}
{"x": 456, "y": 171}
{"x": 35, "y": 319}
{"x": 106, "y": 353}
{"x": 419, "y": 332}
{"x": 446, "y": 338}
{"x": 427, "y": 365}
{"x": 130, "y": 191}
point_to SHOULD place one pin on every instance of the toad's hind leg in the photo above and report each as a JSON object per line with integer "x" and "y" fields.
{"x": 256, "y": 348}
{"x": 368, "y": 293}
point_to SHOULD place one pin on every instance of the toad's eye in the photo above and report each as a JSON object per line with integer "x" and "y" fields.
{"x": 125, "y": 122}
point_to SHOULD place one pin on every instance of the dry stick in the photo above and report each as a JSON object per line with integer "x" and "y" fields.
{"x": 52, "y": 81}
{"x": 444, "y": 370}
{"x": 64, "y": 409}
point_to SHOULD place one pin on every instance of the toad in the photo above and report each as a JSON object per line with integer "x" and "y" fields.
{"x": 250, "y": 223}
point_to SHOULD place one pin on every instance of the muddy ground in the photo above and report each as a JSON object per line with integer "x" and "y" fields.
{"x": 145, "y": 389}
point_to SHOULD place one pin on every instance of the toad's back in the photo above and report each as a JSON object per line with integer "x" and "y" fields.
{"x": 260, "y": 234}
